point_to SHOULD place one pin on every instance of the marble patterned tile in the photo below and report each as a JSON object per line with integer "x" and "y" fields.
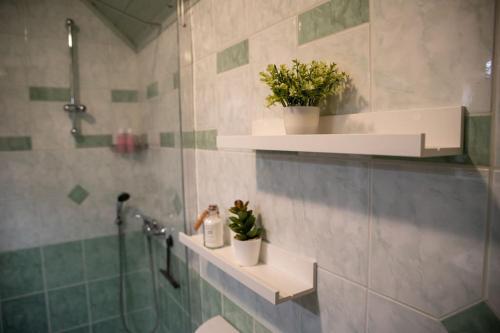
{"x": 279, "y": 200}
{"x": 275, "y": 45}
{"x": 14, "y": 105}
{"x": 336, "y": 207}
{"x": 233, "y": 101}
{"x": 203, "y": 30}
{"x": 493, "y": 297}
{"x": 416, "y": 62}
{"x": 350, "y": 51}
{"x": 428, "y": 236}
{"x": 338, "y": 306}
{"x": 264, "y": 13}
{"x": 15, "y": 178}
{"x": 204, "y": 98}
{"x": 19, "y": 224}
{"x": 385, "y": 316}
{"x": 230, "y": 21}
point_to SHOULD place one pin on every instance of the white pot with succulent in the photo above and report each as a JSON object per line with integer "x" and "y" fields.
{"x": 247, "y": 237}
{"x": 300, "y": 90}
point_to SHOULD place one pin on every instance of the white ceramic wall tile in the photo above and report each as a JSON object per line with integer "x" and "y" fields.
{"x": 264, "y": 13}
{"x": 431, "y": 53}
{"x": 204, "y": 93}
{"x": 99, "y": 118}
{"x": 50, "y": 126}
{"x": 233, "y": 101}
{"x": 13, "y": 60}
{"x": 279, "y": 199}
{"x": 14, "y": 111}
{"x": 385, "y": 316}
{"x": 428, "y": 236}
{"x": 19, "y": 225}
{"x": 48, "y": 62}
{"x": 336, "y": 222}
{"x": 282, "y": 318}
{"x": 11, "y": 21}
{"x": 187, "y": 98}
{"x": 203, "y": 28}
{"x": 93, "y": 63}
{"x": 275, "y": 45}
{"x": 339, "y": 306}
{"x": 17, "y": 168}
{"x": 230, "y": 22}
{"x": 350, "y": 51}
{"x": 494, "y": 255}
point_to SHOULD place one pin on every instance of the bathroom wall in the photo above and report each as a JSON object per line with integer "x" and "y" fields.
{"x": 401, "y": 244}
{"x": 58, "y": 244}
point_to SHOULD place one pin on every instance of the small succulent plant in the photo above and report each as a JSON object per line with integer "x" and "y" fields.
{"x": 243, "y": 224}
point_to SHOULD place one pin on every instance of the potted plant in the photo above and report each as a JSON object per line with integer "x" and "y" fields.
{"x": 247, "y": 235}
{"x": 300, "y": 90}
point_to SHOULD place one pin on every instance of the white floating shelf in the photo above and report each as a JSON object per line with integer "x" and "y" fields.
{"x": 416, "y": 133}
{"x": 279, "y": 276}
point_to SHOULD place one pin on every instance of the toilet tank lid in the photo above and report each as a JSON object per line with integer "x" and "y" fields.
{"x": 216, "y": 324}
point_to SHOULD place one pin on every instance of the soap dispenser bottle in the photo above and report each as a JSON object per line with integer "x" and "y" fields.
{"x": 213, "y": 236}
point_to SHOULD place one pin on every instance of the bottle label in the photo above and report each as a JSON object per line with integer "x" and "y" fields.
{"x": 213, "y": 235}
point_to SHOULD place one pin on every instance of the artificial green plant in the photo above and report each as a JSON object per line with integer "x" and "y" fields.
{"x": 303, "y": 84}
{"x": 243, "y": 224}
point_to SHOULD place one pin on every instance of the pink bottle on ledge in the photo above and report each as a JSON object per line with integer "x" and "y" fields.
{"x": 121, "y": 141}
{"x": 130, "y": 141}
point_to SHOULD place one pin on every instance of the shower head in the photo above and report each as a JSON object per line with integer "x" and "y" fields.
{"x": 123, "y": 197}
{"x": 120, "y": 201}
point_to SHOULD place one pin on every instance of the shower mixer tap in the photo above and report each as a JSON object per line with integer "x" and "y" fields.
{"x": 151, "y": 226}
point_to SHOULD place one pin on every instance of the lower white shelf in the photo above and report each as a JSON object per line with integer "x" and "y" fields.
{"x": 279, "y": 276}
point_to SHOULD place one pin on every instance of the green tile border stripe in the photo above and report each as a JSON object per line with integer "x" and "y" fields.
{"x": 15, "y": 143}
{"x": 331, "y": 17}
{"x": 56, "y": 94}
{"x": 94, "y": 141}
{"x": 167, "y": 139}
{"x": 176, "y": 80}
{"x": 124, "y": 96}
{"x": 233, "y": 56}
{"x": 188, "y": 139}
{"x": 206, "y": 139}
{"x": 152, "y": 90}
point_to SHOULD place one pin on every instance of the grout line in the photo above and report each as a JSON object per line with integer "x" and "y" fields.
{"x": 45, "y": 291}
{"x": 370, "y": 231}
{"x": 87, "y": 289}
{"x": 73, "y": 328}
{"x": 491, "y": 203}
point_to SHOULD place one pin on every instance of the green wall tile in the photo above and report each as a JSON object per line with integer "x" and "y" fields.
{"x": 136, "y": 252}
{"x": 206, "y": 139}
{"x": 108, "y": 326}
{"x": 49, "y": 94}
{"x": 68, "y": 307}
{"x": 21, "y": 272}
{"x": 78, "y": 194}
{"x": 101, "y": 257}
{"x": 167, "y": 139}
{"x": 177, "y": 318}
{"x": 331, "y": 17}
{"x": 26, "y": 314}
{"x": 13, "y": 143}
{"x": 104, "y": 298}
{"x": 211, "y": 302}
{"x": 84, "y": 329}
{"x": 188, "y": 139}
{"x": 476, "y": 319}
{"x": 142, "y": 321}
{"x": 93, "y": 141}
{"x": 195, "y": 297}
{"x": 237, "y": 317}
{"x": 63, "y": 264}
{"x": 124, "y": 96}
{"x": 232, "y": 57}
{"x": 152, "y": 90}
{"x": 176, "y": 80}
{"x": 259, "y": 328}
{"x": 138, "y": 290}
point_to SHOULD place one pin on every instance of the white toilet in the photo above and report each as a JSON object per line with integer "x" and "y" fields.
{"x": 216, "y": 324}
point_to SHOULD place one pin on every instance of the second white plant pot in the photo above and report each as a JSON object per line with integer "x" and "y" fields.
{"x": 301, "y": 119}
{"x": 247, "y": 252}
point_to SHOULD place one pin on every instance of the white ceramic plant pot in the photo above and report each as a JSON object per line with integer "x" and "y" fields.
{"x": 301, "y": 119}
{"x": 247, "y": 252}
